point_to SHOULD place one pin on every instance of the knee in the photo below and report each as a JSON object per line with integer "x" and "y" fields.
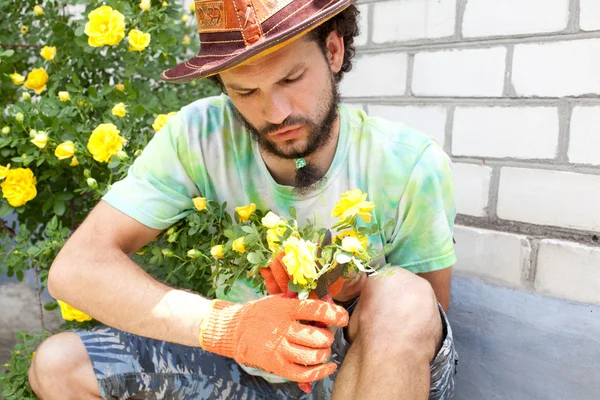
{"x": 56, "y": 364}
{"x": 401, "y": 310}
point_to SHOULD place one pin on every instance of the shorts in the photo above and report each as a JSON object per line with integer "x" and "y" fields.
{"x": 128, "y": 366}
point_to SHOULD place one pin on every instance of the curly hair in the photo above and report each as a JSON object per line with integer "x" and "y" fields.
{"x": 345, "y": 24}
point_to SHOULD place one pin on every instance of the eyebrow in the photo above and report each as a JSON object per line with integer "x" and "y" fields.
{"x": 295, "y": 69}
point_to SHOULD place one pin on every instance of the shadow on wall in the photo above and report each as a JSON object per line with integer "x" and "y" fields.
{"x": 517, "y": 345}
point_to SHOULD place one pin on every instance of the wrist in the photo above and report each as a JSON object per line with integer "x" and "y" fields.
{"x": 218, "y": 328}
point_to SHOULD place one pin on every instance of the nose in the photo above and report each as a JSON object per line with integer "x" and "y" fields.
{"x": 276, "y": 107}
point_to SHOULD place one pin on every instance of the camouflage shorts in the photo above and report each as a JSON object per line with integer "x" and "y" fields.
{"x": 128, "y": 366}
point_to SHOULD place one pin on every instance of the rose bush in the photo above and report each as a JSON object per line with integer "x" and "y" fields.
{"x": 73, "y": 120}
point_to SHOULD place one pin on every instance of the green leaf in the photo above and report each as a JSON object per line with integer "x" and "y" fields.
{"x": 255, "y": 257}
{"x": 80, "y": 30}
{"x": 5, "y": 209}
{"x": 59, "y": 207}
{"x": 294, "y": 287}
{"x": 343, "y": 258}
{"x": 51, "y": 305}
{"x": 248, "y": 229}
{"x": 292, "y": 211}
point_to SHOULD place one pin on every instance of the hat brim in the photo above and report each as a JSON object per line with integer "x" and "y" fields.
{"x": 204, "y": 65}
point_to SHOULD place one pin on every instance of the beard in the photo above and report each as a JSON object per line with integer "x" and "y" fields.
{"x": 319, "y": 134}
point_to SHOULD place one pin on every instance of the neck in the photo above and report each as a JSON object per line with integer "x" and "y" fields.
{"x": 283, "y": 170}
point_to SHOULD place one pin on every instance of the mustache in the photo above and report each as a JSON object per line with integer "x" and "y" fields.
{"x": 289, "y": 121}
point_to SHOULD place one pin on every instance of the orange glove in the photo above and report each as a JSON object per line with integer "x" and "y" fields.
{"x": 276, "y": 279}
{"x": 267, "y": 334}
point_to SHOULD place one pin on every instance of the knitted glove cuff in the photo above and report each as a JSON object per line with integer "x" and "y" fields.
{"x": 219, "y": 326}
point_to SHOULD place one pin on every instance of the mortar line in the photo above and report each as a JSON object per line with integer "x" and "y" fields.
{"x": 371, "y": 19}
{"x": 475, "y": 101}
{"x": 549, "y": 165}
{"x": 461, "y": 6}
{"x": 508, "y": 87}
{"x": 467, "y": 43}
{"x": 529, "y": 274}
{"x": 448, "y": 128}
{"x": 494, "y": 189}
{"x": 410, "y": 65}
{"x": 574, "y": 16}
{"x": 564, "y": 121}
{"x": 528, "y": 229}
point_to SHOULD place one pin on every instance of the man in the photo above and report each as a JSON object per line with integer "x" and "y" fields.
{"x": 277, "y": 138}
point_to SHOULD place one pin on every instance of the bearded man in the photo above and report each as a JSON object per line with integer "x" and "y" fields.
{"x": 276, "y": 137}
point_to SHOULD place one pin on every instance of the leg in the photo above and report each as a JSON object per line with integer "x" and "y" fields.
{"x": 395, "y": 333}
{"x": 61, "y": 369}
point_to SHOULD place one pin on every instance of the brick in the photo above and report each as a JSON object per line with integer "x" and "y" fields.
{"x": 497, "y": 256}
{"x": 568, "y": 270}
{"x": 430, "y": 120}
{"x": 557, "y": 69}
{"x": 376, "y": 75}
{"x": 472, "y": 72}
{"x": 584, "y": 141}
{"x": 519, "y": 132}
{"x": 403, "y": 20}
{"x": 589, "y": 15}
{"x": 471, "y": 188}
{"x": 514, "y": 17}
{"x": 363, "y": 25}
{"x": 555, "y": 198}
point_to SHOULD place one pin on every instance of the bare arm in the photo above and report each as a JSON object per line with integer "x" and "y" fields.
{"x": 440, "y": 282}
{"x": 94, "y": 274}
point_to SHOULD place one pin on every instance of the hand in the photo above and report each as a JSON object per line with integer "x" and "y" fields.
{"x": 276, "y": 279}
{"x": 267, "y": 334}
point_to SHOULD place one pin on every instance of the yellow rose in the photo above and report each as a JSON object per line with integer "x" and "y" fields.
{"x": 120, "y": 87}
{"x": 37, "y": 10}
{"x": 164, "y": 4}
{"x": 193, "y": 7}
{"x": 217, "y": 251}
{"x": 19, "y": 186}
{"x": 4, "y": 171}
{"x": 48, "y": 53}
{"x": 40, "y": 139}
{"x": 138, "y": 40}
{"x": 36, "y": 80}
{"x": 271, "y": 220}
{"x": 64, "y": 96}
{"x": 199, "y": 203}
{"x": 353, "y": 203}
{"x": 185, "y": 18}
{"x": 299, "y": 259}
{"x": 186, "y": 40}
{"x": 145, "y": 5}
{"x": 74, "y": 162}
{"x": 364, "y": 242}
{"x": 274, "y": 236}
{"x": 105, "y": 142}
{"x": 245, "y": 211}
{"x": 119, "y": 110}
{"x": 65, "y": 150}
{"x": 105, "y": 26}
{"x": 72, "y": 314}
{"x": 351, "y": 244}
{"x": 238, "y": 245}
{"x": 24, "y": 29}
{"x": 161, "y": 120}
{"x": 17, "y": 79}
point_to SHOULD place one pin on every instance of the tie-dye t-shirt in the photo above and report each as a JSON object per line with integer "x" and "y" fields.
{"x": 205, "y": 151}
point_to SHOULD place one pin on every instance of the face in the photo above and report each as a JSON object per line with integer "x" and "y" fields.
{"x": 287, "y": 99}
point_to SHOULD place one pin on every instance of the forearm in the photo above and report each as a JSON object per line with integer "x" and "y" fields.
{"x": 111, "y": 288}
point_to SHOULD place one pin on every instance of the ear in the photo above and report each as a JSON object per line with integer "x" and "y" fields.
{"x": 335, "y": 51}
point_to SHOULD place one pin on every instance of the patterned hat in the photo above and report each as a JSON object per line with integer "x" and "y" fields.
{"x": 234, "y": 31}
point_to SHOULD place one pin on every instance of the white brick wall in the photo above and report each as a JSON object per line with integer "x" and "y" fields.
{"x": 471, "y": 188}
{"x": 514, "y": 17}
{"x": 550, "y": 198}
{"x": 361, "y": 40}
{"x": 589, "y": 19}
{"x": 416, "y": 19}
{"x": 476, "y": 73}
{"x": 519, "y": 132}
{"x": 584, "y": 141}
{"x": 428, "y": 120}
{"x": 569, "y": 270}
{"x": 376, "y": 75}
{"x": 490, "y": 254}
{"x": 569, "y": 68}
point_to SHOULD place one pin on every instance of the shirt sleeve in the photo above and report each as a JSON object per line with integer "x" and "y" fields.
{"x": 423, "y": 236}
{"x": 157, "y": 190}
